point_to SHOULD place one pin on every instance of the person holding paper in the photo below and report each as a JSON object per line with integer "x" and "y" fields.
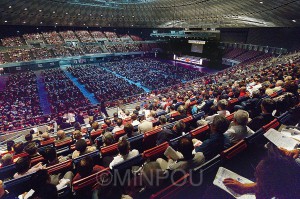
{"x": 215, "y": 143}
{"x": 187, "y": 160}
{"x": 275, "y": 178}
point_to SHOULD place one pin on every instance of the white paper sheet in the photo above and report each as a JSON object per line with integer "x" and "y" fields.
{"x": 281, "y": 140}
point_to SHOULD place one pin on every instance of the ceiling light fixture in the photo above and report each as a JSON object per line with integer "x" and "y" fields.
{"x": 294, "y": 21}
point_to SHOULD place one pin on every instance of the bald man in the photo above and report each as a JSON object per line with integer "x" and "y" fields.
{"x": 61, "y": 136}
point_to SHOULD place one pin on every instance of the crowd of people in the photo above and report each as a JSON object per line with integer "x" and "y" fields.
{"x": 19, "y": 55}
{"x": 19, "y": 100}
{"x": 68, "y": 35}
{"x": 105, "y": 85}
{"x": 63, "y": 94}
{"x": 33, "y": 37}
{"x": 84, "y": 36}
{"x": 52, "y": 38}
{"x": 41, "y": 53}
{"x": 93, "y": 49}
{"x": 12, "y": 41}
{"x": 151, "y": 73}
{"x": 98, "y": 35}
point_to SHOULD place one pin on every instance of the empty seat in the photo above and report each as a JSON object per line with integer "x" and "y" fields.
{"x": 150, "y": 138}
{"x": 109, "y": 150}
{"x": 155, "y": 152}
{"x": 200, "y": 132}
{"x": 173, "y": 190}
{"x": 60, "y": 167}
{"x": 234, "y": 150}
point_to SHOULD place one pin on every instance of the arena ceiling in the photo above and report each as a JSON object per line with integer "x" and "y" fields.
{"x": 152, "y": 13}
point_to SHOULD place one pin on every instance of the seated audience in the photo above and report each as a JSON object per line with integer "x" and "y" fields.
{"x": 86, "y": 167}
{"x": 187, "y": 159}
{"x": 165, "y": 135}
{"x": 144, "y": 125}
{"x": 23, "y": 167}
{"x": 119, "y": 126}
{"x": 222, "y": 105}
{"x": 19, "y": 148}
{"x": 215, "y": 143}
{"x": 134, "y": 119}
{"x": 267, "y": 108}
{"x": 32, "y": 150}
{"x": 238, "y": 129}
{"x": 61, "y": 136}
{"x": 129, "y": 130}
{"x": 6, "y": 160}
{"x": 124, "y": 153}
{"x": 82, "y": 148}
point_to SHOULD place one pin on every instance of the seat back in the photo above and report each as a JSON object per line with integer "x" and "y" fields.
{"x": 155, "y": 152}
{"x": 109, "y": 150}
{"x": 36, "y": 160}
{"x": 199, "y": 115}
{"x": 60, "y": 167}
{"x": 119, "y": 134}
{"x": 210, "y": 165}
{"x": 234, "y": 150}
{"x": 230, "y": 117}
{"x": 18, "y": 186}
{"x": 173, "y": 190}
{"x": 200, "y": 132}
{"x": 137, "y": 160}
{"x": 174, "y": 142}
{"x": 150, "y": 138}
{"x": 136, "y": 142}
{"x": 65, "y": 143}
{"x": 231, "y": 104}
{"x": 89, "y": 181}
{"x": 273, "y": 124}
{"x": 94, "y": 155}
{"x": 47, "y": 142}
{"x": 95, "y": 134}
{"x": 7, "y": 171}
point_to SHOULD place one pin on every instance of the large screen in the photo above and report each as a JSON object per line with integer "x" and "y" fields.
{"x": 197, "y": 48}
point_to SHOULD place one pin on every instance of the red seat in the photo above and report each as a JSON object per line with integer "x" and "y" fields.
{"x": 273, "y": 95}
{"x": 231, "y": 104}
{"x": 174, "y": 189}
{"x": 65, "y": 143}
{"x": 109, "y": 150}
{"x": 95, "y": 134}
{"x": 187, "y": 119}
{"x": 155, "y": 152}
{"x": 200, "y": 132}
{"x": 62, "y": 166}
{"x": 175, "y": 114}
{"x": 36, "y": 160}
{"x": 150, "y": 138}
{"x": 230, "y": 117}
{"x": 273, "y": 124}
{"x": 119, "y": 134}
{"x": 234, "y": 150}
{"x": 89, "y": 181}
{"x": 47, "y": 142}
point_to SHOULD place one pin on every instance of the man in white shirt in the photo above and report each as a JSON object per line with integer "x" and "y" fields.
{"x": 124, "y": 153}
{"x": 222, "y": 105}
{"x": 239, "y": 129}
{"x": 144, "y": 125}
{"x": 119, "y": 125}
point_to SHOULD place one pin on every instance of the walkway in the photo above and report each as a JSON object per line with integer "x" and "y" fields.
{"x": 138, "y": 84}
{"x": 43, "y": 94}
{"x": 81, "y": 87}
{"x": 3, "y": 80}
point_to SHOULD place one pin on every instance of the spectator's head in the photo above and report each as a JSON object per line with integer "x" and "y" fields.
{"x": 7, "y": 159}
{"x": 28, "y": 137}
{"x": 61, "y": 135}
{"x": 256, "y": 94}
{"x": 241, "y": 117}
{"x": 279, "y": 83}
{"x": 115, "y": 116}
{"x": 18, "y": 148}
{"x": 32, "y": 132}
{"x": 179, "y": 127}
{"x": 48, "y": 191}
{"x": 128, "y": 128}
{"x": 81, "y": 145}
{"x": 95, "y": 125}
{"x": 123, "y": 147}
{"x": 23, "y": 165}
{"x": 219, "y": 124}
{"x": 186, "y": 147}
{"x": 278, "y": 178}
{"x": 133, "y": 117}
{"x": 77, "y": 126}
{"x": 119, "y": 122}
{"x": 45, "y": 136}
{"x": 39, "y": 179}
{"x": 181, "y": 110}
{"x": 291, "y": 87}
{"x": 268, "y": 105}
{"x": 127, "y": 113}
{"x": 108, "y": 138}
{"x": 138, "y": 108}
{"x": 85, "y": 166}
{"x": 50, "y": 154}
{"x": 142, "y": 118}
{"x": 162, "y": 120}
{"x": 172, "y": 108}
{"x": 10, "y": 145}
{"x": 107, "y": 121}
{"x": 222, "y": 104}
{"x": 31, "y": 149}
{"x": 77, "y": 135}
